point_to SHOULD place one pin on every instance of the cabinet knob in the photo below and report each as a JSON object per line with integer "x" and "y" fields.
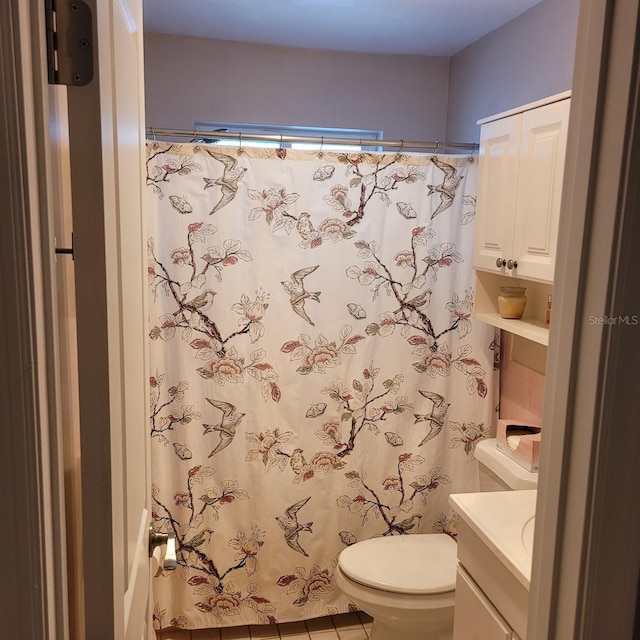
{"x": 500, "y": 262}
{"x": 512, "y": 264}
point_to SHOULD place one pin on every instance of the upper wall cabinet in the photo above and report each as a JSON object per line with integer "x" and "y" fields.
{"x": 520, "y": 182}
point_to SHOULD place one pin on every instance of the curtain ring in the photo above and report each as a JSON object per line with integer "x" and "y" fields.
{"x": 153, "y": 134}
{"x": 401, "y": 146}
{"x": 240, "y": 149}
{"x": 437, "y": 145}
{"x": 281, "y": 141}
{"x": 320, "y": 153}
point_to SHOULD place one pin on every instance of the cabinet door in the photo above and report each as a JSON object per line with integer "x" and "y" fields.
{"x": 475, "y": 617}
{"x": 542, "y": 151}
{"x": 497, "y": 189}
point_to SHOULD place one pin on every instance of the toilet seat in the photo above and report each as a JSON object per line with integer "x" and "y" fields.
{"x": 420, "y": 564}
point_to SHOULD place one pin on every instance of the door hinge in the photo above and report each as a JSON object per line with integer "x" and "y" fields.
{"x": 69, "y": 32}
{"x": 65, "y": 250}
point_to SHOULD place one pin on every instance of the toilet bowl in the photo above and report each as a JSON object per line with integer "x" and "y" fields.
{"x": 407, "y": 583}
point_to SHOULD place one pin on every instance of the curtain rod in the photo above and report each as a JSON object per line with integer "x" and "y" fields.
{"x": 264, "y": 137}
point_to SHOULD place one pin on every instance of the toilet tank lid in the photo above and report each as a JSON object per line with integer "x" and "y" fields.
{"x": 419, "y": 564}
{"x": 510, "y": 472}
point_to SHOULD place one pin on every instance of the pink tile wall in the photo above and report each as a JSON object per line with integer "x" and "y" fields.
{"x": 521, "y": 388}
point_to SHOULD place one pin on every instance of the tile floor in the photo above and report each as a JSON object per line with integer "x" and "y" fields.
{"x": 346, "y": 626}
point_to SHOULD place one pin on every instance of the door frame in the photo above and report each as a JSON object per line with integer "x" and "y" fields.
{"x": 32, "y": 535}
{"x": 585, "y": 572}
{"x": 586, "y": 459}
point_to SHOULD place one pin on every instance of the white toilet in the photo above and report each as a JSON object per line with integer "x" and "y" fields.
{"x": 407, "y": 583}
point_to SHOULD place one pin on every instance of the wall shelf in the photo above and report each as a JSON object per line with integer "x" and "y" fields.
{"x": 528, "y": 328}
{"x": 532, "y": 325}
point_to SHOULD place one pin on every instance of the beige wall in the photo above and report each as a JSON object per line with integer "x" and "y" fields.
{"x": 191, "y": 79}
{"x": 431, "y": 98}
{"x": 525, "y": 60}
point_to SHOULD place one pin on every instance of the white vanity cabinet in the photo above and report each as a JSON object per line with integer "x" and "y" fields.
{"x": 478, "y": 618}
{"x": 521, "y": 168}
{"x": 494, "y": 564}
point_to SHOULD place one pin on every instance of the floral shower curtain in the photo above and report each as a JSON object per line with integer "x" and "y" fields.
{"x": 316, "y": 377}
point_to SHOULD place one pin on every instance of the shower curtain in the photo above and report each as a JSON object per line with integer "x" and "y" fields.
{"x": 316, "y": 376}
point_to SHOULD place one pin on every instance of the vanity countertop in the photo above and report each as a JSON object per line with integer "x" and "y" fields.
{"x": 504, "y": 520}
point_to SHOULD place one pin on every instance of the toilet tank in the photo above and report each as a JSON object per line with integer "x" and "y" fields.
{"x": 499, "y": 473}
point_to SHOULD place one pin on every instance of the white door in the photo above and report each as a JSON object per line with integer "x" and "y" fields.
{"x": 543, "y": 146}
{"x": 497, "y": 192}
{"x": 106, "y": 126}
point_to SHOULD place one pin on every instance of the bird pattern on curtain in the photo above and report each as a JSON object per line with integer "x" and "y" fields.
{"x": 316, "y": 376}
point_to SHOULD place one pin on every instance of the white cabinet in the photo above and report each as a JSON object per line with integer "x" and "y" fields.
{"x": 497, "y": 192}
{"x": 520, "y": 184}
{"x": 475, "y": 617}
{"x": 494, "y": 564}
{"x": 491, "y": 603}
{"x": 521, "y": 168}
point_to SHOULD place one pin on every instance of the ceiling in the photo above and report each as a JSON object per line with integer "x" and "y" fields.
{"x": 418, "y": 27}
